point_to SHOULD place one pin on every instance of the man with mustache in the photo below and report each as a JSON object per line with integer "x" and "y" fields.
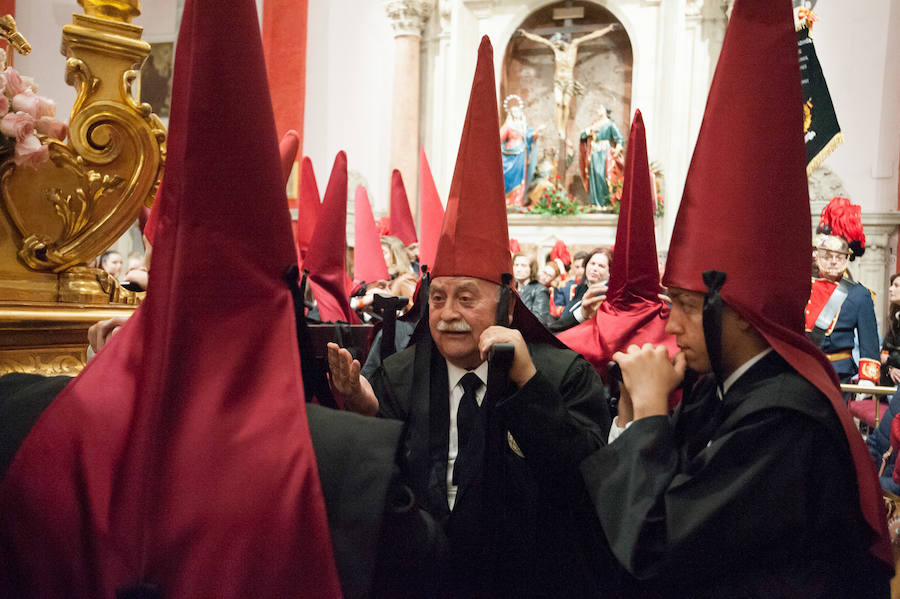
{"x": 518, "y": 520}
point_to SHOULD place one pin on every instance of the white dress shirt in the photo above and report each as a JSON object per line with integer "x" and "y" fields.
{"x": 454, "y": 375}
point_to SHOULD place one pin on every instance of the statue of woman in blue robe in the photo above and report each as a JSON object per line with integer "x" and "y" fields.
{"x": 517, "y": 145}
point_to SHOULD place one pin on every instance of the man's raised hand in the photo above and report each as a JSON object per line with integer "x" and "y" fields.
{"x": 650, "y": 376}
{"x": 522, "y": 368}
{"x": 353, "y": 388}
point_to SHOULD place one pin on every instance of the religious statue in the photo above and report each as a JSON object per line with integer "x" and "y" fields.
{"x": 600, "y": 157}
{"x": 517, "y": 145}
{"x": 564, "y": 84}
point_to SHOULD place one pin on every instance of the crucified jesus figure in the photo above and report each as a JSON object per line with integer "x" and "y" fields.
{"x": 564, "y": 84}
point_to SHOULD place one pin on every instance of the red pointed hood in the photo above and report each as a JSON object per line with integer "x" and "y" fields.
{"x": 326, "y": 259}
{"x": 725, "y": 201}
{"x": 181, "y": 455}
{"x": 290, "y": 144}
{"x": 308, "y": 208}
{"x": 474, "y": 239}
{"x": 368, "y": 260}
{"x": 632, "y": 312}
{"x": 402, "y": 225}
{"x": 475, "y": 221}
{"x": 634, "y": 272}
{"x": 431, "y": 213}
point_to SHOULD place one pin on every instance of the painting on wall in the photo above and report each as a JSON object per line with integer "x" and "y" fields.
{"x": 156, "y": 78}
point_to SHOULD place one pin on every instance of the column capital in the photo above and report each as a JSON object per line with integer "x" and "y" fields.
{"x": 693, "y": 9}
{"x": 408, "y": 17}
{"x": 445, "y": 11}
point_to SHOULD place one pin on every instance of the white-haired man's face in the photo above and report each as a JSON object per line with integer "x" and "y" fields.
{"x": 459, "y": 310}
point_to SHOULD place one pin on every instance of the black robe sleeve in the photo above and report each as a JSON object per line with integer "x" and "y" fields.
{"x": 747, "y": 511}
{"x": 383, "y": 544}
{"x": 23, "y": 398}
{"x": 557, "y": 426}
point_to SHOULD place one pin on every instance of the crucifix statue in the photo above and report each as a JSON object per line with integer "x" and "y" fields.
{"x": 564, "y": 55}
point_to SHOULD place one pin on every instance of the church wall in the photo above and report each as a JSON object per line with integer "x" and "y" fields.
{"x": 349, "y": 78}
{"x": 858, "y": 45}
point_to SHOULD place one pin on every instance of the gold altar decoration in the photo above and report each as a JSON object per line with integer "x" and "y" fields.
{"x": 57, "y": 217}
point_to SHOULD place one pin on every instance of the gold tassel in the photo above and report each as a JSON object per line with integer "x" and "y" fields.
{"x": 824, "y": 153}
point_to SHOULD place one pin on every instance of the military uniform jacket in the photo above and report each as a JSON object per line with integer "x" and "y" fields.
{"x": 750, "y": 496}
{"x": 524, "y": 526}
{"x": 856, "y": 317}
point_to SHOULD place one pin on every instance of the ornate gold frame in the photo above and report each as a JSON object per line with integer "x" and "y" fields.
{"x": 56, "y": 218}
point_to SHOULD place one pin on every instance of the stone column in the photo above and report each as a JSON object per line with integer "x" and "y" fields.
{"x": 879, "y": 262}
{"x": 408, "y": 20}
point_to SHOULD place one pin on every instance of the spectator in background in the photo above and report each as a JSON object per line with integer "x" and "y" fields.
{"x": 589, "y": 293}
{"x": 412, "y": 252}
{"x": 111, "y": 262}
{"x": 549, "y": 278}
{"x": 395, "y": 256}
{"x": 535, "y": 296}
{"x": 890, "y": 349}
{"x": 404, "y": 286}
{"x": 879, "y": 440}
{"x": 134, "y": 260}
{"x": 136, "y": 275}
{"x": 576, "y": 273}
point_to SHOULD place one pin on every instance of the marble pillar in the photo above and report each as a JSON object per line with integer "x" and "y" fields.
{"x": 408, "y": 19}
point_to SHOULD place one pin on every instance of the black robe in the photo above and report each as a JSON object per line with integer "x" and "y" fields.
{"x": 524, "y": 526}
{"x": 754, "y": 495}
{"x": 383, "y": 545}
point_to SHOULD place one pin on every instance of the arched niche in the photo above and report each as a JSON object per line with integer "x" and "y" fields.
{"x": 604, "y": 67}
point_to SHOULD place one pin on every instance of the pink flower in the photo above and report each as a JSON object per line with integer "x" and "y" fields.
{"x": 16, "y": 84}
{"x": 47, "y": 125}
{"x": 18, "y": 125}
{"x": 34, "y": 105}
{"x": 31, "y": 152}
{"x": 4, "y": 104}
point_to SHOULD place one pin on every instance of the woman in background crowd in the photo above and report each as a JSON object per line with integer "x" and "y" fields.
{"x": 596, "y": 271}
{"x": 535, "y": 296}
{"x": 395, "y": 256}
{"x": 589, "y": 293}
{"x": 890, "y": 349}
{"x": 879, "y": 440}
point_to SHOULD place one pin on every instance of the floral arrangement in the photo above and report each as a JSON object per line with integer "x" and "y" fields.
{"x": 26, "y": 119}
{"x": 556, "y": 201}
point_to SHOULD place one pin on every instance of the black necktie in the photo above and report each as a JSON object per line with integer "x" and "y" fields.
{"x": 468, "y": 417}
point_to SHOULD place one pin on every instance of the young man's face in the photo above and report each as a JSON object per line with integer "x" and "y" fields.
{"x": 686, "y": 323}
{"x": 522, "y": 269}
{"x": 459, "y": 310}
